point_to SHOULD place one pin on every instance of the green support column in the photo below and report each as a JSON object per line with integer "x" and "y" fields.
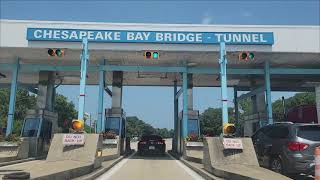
{"x": 12, "y": 102}
{"x": 268, "y": 91}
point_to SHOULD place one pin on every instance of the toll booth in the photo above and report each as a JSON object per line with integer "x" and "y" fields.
{"x": 41, "y": 122}
{"x": 116, "y": 122}
{"x": 193, "y": 122}
{"x": 38, "y": 128}
{"x": 193, "y": 127}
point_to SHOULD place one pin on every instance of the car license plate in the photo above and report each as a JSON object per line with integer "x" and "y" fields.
{"x": 151, "y": 148}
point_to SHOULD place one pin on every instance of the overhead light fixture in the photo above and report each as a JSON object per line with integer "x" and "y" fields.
{"x": 192, "y": 64}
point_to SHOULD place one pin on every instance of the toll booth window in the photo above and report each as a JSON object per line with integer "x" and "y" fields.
{"x": 46, "y": 129}
{"x": 30, "y": 128}
{"x": 113, "y": 124}
{"x": 193, "y": 126}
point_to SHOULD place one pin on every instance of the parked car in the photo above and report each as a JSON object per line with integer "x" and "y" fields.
{"x": 151, "y": 144}
{"x": 287, "y": 147}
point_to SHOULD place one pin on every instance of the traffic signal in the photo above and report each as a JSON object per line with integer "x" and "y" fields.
{"x": 78, "y": 125}
{"x": 246, "y": 56}
{"x": 151, "y": 55}
{"x": 56, "y": 52}
{"x": 229, "y": 129}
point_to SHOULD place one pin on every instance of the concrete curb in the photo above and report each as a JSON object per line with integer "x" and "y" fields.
{"x": 16, "y": 162}
{"x": 20, "y": 161}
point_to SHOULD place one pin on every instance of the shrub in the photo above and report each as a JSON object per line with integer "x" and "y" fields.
{"x": 194, "y": 138}
{"x": 109, "y": 135}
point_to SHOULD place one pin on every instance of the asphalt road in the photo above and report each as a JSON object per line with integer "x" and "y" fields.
{"x": 137, "y": 167}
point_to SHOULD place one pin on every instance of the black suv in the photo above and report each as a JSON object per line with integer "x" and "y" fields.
{"x": 287, "y": 148}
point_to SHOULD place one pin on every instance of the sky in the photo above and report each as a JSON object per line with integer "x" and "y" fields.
{"x": 155, "y": 104}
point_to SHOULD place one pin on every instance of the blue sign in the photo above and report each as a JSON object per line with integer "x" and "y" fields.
{"x": 164, "y": 37}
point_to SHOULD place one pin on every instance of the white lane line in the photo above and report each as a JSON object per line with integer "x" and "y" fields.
{"x": 114, "y": 169}
{"x": 193, "y": 174}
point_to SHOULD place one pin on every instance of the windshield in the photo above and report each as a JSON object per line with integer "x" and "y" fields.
{"x": 309, "y": 132}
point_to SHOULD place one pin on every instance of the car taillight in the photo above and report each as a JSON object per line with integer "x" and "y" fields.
{"x": 142, "y": 142}
{"x": 297, "y": 146}
{"x": 160, "y": 142}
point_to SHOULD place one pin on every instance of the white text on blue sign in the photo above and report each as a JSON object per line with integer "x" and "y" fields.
{"x": 167, "y": 37}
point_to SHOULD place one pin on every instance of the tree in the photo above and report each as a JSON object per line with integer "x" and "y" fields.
{"x": 308, "y": 98}
{"x": 137, "y": 128}
{"x": 24, "y": 101}
{"x": 211, "y": 121}
{"x": 66, "y": 111}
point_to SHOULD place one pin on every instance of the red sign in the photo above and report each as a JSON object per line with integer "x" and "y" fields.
{"x": 73, "y": 139}
{"x": 232, "y": 143}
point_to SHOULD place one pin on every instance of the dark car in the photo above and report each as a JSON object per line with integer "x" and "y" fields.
{"x": 287, "y": 148}
{"x": 151, "y": 144}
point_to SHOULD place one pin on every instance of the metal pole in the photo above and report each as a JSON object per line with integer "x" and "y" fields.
{"x": 90, "y": 123}
{"x": 100, "y": 125}
{"x": 12, "y": 102}
{"x": 84, "y": 60}
{"x": 236, "y": 109}
{"x": 284, "y": 108}
{"x": 185, "y": 105}
{"x": 268, "y": 91}
{"x": 223, "y": 77}
{"x": 175, "y": 117}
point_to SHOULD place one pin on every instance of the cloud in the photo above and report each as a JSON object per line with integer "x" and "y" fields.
{"x": 206, "y": 19}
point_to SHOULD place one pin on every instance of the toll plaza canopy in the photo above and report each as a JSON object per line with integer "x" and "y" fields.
{"x": 293, "y": 53}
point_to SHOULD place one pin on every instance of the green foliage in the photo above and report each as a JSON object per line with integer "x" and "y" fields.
{"x": 24, "y": 101}
{"x": 164, "y": 132}
{"x": 245, "y": 107}
{"x": 194, "y": 138}
{"x": 308, "y": 98}
{"x": 296, "y": 100}
{"x": 137, "y": 128}
{"x": 13, "y": 138}
{"x": 211, "y": 121}
{"x": 66, "y": 111}
{"x": 87, "y": 129}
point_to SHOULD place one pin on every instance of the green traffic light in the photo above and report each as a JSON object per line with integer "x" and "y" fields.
{"x": 251, "y": 56}
{"x": 155, "y": 55}
{"x": 59, "y": 52}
